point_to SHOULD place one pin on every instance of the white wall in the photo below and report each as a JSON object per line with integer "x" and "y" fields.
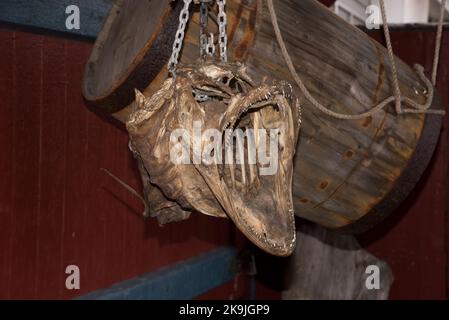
{"x": 353, "y": 11}
{"x": 407, "y": 11}
{"x": 398, "y": 11}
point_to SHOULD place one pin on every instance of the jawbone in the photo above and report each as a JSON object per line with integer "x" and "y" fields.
{"x": 224, "y": 98}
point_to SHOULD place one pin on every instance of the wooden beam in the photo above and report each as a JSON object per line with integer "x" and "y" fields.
{"x": 181, "y": 281}
{"x": 51, "y": 14}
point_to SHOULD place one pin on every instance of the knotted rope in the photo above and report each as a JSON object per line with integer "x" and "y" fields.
{"x": 415, "y": 107}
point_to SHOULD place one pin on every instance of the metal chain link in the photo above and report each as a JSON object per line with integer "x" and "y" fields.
{"x": 179, "y": 38}
{"x": 204, "y": 21}
{"x": 210, "y": 45}
{"x": 222, "y": 24}
{"x": 207, "y": 46}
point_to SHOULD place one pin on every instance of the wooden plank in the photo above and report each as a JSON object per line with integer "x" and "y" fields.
{"x": 26, "y": 166}
{"x": 51, "y": 224}
{"x": 327, "y": 265}
{"x": 131, "y": 215}
{"x": 180, "y": 241}
{"x": 51, "y": 14}
{"x": 444, "y": 149}
{"x": 135, "y": 230}
{"x": 343, "y": 188}
{"x": 77, "y": 236}
{"x": 97, "y": 200}
{"x": 182, "y": 281}
{"x": 114, "y": 227}
{"x": 414, "y": 239}
{"x": 103, "y": 233}
{"x": 7, "y": 97}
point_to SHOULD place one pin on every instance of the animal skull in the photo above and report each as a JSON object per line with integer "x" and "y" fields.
{"x": 223, "y": 97}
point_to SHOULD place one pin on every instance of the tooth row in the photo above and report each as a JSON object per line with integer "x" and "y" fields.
{"x": 256, "y": 121}
{"x": 264, "y": 239}
{"x": 268, "y": 95}
{"x": 253, "y": 174}
{"x": 241, "y": 154}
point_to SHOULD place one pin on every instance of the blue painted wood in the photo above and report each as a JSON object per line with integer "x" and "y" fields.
{"x": 181, "y": 281}
{"x": 51, "y": 14}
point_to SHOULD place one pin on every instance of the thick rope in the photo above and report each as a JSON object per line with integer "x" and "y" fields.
{"x": 439, "y": 36}
{"x": 397, "y": 89}
{"x": 417, "y": 108}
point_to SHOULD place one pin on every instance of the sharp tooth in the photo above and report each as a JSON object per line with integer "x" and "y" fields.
{"x": 255, "y": 117}
{"x": 232, "y": 169}
{"x": 229, "y": 156}
{"x": 241, "y": 156}
{"x": 252, "y": 156}
{"x": 256, "y": 126}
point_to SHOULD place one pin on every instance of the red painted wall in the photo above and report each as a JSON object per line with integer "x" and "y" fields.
{"x": 415, "y": 239}
{"x": 56, "y": 207}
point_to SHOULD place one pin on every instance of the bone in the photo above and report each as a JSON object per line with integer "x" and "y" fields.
{"x": 257, "y": 125}
{"x": 232, "y": 169}
{"x": 256, "y": 121}
{"x": 229, "y": 155}
{"x": 241, "y": 155}
{"x": 140, "y": 100}
{"x": 252, "y": 155}
{"x": 262, "y": 104}
{"x": 209, "y": 91}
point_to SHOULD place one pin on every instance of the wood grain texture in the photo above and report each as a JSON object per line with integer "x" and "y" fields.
{"x": 331, "y": 266}
{"x": 129, "y": 50}
{"x": 27, "y": 157}
{"x": 415, "y": 239}
{"x": 343, "y": 169}
{"x": 8, "y": 94}
{"x": 52, "y": 167}
{"x": 51, "y": 14}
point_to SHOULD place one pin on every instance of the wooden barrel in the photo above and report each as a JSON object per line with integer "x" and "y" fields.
{"x": 349, "y": 174}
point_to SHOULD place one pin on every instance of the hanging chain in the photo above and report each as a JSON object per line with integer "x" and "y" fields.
{"x": 207, "y": 46}
{"x": 204, "y": 21}
{"x": 179, "y": 38}
{"x": 222, "y": 24}
{"x": 210, "y": 45}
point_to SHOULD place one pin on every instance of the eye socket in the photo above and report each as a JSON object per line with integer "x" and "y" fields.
{"x": 236, "y": 85}
{"x": 202, "y": 98}
{"x": 225, "y": 80}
